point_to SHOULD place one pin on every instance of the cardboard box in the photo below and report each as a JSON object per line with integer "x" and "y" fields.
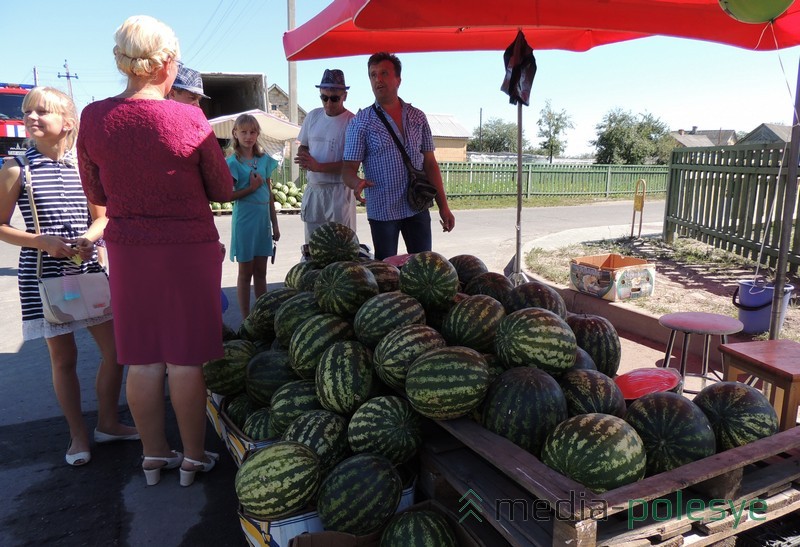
{"x": 239, "y": 444}
{"x": 213, "y": 411}
{"x": 337, "y": 539}
{"x": 612, "y": 277}
{"x": 279, "y": 533}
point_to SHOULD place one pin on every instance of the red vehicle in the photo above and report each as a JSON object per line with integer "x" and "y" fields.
{"x": 12, "y": 130}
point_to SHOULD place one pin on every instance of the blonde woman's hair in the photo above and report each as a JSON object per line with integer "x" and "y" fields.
{"x": 144, "y": 45}
{"x": 235, "y": 147}
{"x": 54, "y": 100}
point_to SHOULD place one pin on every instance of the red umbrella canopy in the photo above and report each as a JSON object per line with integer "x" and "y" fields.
{"x": 353, "y": 27}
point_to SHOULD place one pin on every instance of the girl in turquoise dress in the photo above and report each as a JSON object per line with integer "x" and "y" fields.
{"x": 254, "y": 226}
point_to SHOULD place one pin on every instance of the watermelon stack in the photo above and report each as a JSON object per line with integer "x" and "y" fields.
{"x": 226, "y": 376}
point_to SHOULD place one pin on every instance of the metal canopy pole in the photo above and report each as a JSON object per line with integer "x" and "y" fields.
{"x": 518, "y": 277}
{"x": 787, "y": 219}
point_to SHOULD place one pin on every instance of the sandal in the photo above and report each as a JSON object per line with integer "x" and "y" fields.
{"x": 187, "y": 475}
{"x": 153, "y": 476}
{"x": 79, "y": 458}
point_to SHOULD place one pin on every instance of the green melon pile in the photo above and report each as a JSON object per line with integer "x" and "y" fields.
{"x": 364, "y": 353}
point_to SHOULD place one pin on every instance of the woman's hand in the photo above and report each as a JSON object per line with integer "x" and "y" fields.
{"x": 256, "y": 181}
{"x": 276, "y": 233}
{"x": 57, "y": 247}
{"x": 85, "y": 248}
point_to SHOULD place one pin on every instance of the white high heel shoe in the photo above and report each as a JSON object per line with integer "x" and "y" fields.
{"x": 187, "y": 475}
{"x": 153, "y": 476}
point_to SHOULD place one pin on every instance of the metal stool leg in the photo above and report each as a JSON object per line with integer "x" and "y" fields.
{"x": 684, "y": 355}
{"x": 706, "y": 355}
{"x": 669, "y": 348}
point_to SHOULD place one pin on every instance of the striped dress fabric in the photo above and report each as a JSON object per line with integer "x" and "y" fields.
{"x": 62, "y": 210}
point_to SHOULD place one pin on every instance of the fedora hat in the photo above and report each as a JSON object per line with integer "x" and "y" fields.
{"x": 190, "y": 80}
{"x": 333, "y": 79}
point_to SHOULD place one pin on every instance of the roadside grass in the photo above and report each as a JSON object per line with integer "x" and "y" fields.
{"x": 690, "y": 275}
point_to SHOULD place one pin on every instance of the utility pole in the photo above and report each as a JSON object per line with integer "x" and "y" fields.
{"x": 35, "y": 76}
{"x": 69, "y": 77}
{"x": 292, "y": 95}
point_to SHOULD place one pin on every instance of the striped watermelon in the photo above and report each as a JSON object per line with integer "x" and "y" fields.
{"x": 228, "y": 333}
{"x": 277, "y": 480}
{"x": 468, "y": 267}
{"x": 342, "y": 287}
{"x": 290, "y": 401}
{"x": 308, "y": 280}
{"x": 257, "y": 425}
{"x": 383, "y": 313}
{"x": 589, "y": 391}
{"x": 313, "y": 337}
{"x": 536, "y": 337}
{"x": 226, "y": 376}
{"x": 260, "y": 323}
{"x": 496, "y": 366}
{"x": 430, "y": 278}
{"x": 418, "y": 528}
{"x": 739, "y": 414}
{"x": 292, "y": 279}
{"x": 600, "y": 451}
{"x": 344, "y": 376}
{"x": 385, "y": 425}
{"x": 387, "y": 275}
{"x": 447, "y": 383}
{"x": 398, "y": 349}
{"x": 473, "y": 322}
{"x": 583, "y": 360}
{"x": 292, "y": 313}
{"x": 238, "y": 408}
{"x": 535, "y": 294}
{"x": 332, "y": 242}
{"x": 673, "y": 429}
{"x": 524, "y": 404}
{"x": 599, "y": 338}
{"x": 266, "y": 372}
{"x": 359, "y": 495}
{"x": 325, "y": 432}
{"x": 493, "y": 284}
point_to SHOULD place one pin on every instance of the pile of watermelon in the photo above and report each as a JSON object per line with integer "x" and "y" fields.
{"x": 342, "y": 364}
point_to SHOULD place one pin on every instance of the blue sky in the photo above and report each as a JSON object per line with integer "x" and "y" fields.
{"x": 684, "y": 83}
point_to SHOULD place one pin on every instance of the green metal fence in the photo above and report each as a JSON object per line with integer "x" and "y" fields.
{"x": 731, "y": 197}
{"x": 500, "y": 179}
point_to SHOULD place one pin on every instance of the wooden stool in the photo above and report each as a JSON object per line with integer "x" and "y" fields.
{"x": 707, "y": 324}
{"x": 777, "y": 364}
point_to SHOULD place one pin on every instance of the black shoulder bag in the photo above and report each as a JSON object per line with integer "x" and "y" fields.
{"x": 421, "y": 192}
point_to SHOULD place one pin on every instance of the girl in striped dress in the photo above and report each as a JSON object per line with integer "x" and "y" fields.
{"x": 67, "y": 241}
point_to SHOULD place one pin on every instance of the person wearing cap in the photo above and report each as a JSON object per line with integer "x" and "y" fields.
{"x": 386, "y": 180}
{"x": 188, "y": 87}
{"x": 326, "y": 198}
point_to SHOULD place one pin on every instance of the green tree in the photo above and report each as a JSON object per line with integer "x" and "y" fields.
{"x": 552, "y": 125}
{"x": 496, "y": 135}
{"x": 625, "y": 138}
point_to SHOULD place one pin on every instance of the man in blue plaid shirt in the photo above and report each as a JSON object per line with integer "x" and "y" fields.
{"x": 385, "y": 185}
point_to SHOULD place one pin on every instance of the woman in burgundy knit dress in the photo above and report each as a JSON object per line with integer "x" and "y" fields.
{"x": 155, "y": 164}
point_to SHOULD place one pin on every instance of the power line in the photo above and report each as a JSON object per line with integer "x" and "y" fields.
{"x": 68, "y": 76}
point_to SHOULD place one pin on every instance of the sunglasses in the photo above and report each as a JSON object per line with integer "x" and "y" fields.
{"x": 332, "y": 98}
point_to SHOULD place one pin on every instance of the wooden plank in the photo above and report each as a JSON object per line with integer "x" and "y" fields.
{"x": 465, "y": 471}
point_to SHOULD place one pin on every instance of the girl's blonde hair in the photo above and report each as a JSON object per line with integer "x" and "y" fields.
{"x": 144, "y": 45}
{"x": 244, "y": 120}
{"x": 58, "y": 102}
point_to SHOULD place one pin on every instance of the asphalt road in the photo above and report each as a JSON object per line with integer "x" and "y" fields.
{"x": 106, "y": 502}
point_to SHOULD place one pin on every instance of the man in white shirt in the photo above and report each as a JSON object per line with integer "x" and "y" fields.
{"x": 326, "y": 198}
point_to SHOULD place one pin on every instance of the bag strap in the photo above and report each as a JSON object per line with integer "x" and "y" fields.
{"x": 402, "y": 149}
{"x": 29, "y": 189}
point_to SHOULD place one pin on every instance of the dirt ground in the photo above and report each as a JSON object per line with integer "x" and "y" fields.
{"x": 690, "y": 276}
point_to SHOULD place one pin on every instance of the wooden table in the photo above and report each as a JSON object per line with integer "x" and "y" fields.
{"x": 776, "y": 363}
{"x": 707, "y": 324}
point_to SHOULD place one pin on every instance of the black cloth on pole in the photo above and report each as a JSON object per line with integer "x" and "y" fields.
{"x": 520, "y": 70}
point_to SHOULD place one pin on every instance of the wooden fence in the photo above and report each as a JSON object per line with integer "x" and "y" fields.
{"x": 488, "y": 180}
{"x": 732, "y": 198}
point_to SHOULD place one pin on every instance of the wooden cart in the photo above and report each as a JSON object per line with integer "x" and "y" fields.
{"x": 517, "y": 499}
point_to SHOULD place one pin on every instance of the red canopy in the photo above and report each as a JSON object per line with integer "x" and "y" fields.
{"x": 354, "y": 27}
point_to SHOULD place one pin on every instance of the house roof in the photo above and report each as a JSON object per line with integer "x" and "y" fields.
{"x": 769, "y": 132}
{"x": 280, "y": 90}
{"x": 689, "y": 140}
{"x": 718, "y": 136}
{"x": 446, "y": 125}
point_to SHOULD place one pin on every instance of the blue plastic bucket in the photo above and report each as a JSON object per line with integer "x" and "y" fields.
{"x": 755, "y": 304}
